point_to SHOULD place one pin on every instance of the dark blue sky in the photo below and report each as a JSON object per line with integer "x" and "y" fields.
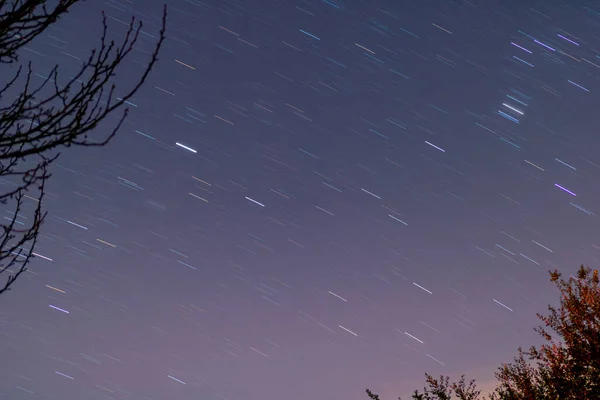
{"x": 310, "y": 198}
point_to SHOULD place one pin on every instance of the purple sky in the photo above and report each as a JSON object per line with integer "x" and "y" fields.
{"x": 376, "y": 191}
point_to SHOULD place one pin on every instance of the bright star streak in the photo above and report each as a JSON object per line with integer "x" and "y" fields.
{"x": 185, "y": 147}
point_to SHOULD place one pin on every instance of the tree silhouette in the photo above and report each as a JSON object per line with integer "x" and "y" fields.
{"x": 567, "y": 367}
{"x": 43, "y": 119}
{"x": 442, "y": 389}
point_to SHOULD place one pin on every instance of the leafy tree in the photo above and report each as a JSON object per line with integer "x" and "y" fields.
{"x": 442, "y": 389}
{"x": 567, "y": 367}
{"x": 44, "y": 118}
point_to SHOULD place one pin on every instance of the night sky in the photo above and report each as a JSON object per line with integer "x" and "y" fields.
{"x": 310, "y": 198}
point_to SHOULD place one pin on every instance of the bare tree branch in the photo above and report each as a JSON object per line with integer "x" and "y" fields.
{"x": 36, "y": 125}
{"x": 22, "y": 21}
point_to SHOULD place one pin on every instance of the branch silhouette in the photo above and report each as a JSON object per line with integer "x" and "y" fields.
{"x": 43, "y": 119}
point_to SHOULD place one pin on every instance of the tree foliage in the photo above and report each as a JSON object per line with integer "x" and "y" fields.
{"x": 41, "y": 119}
{"x": 442, "y": 389}
{"x": 566, "y": 367}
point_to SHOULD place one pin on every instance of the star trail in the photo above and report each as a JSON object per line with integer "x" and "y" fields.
{"x": 309, "y": 198}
